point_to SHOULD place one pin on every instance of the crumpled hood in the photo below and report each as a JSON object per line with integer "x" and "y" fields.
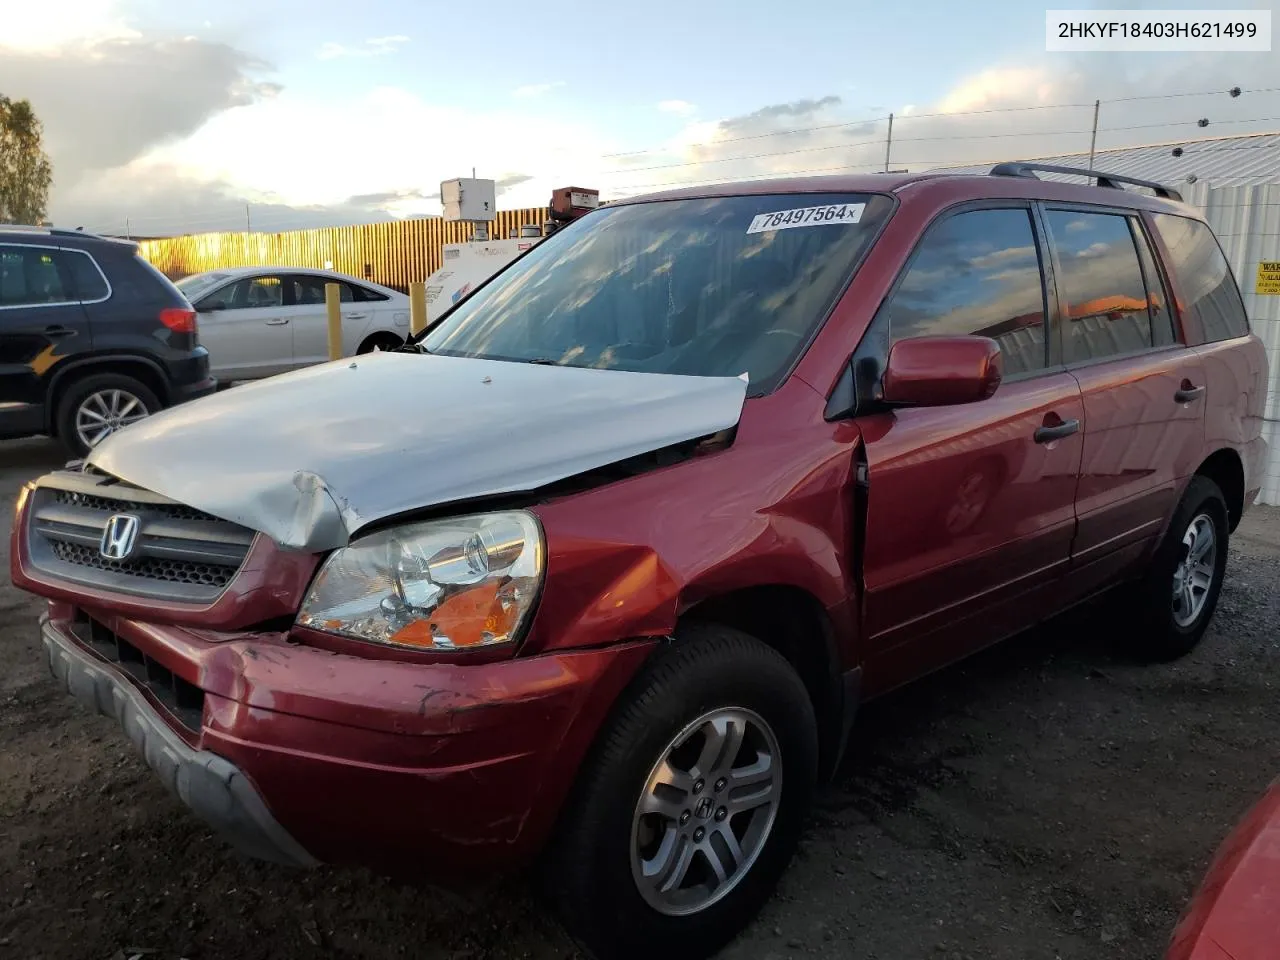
{"x": 309, "y": 457}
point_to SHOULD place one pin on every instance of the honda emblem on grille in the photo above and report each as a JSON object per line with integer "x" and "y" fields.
{"x": 119, "y": 537}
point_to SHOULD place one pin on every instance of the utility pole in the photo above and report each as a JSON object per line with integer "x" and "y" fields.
{"x": 1093, "y": 140}
{"x": 248, "y": 227}
{"x": 128, "y": 233}
{"x": 888, "y": 144}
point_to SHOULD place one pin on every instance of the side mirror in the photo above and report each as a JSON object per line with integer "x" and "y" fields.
{"x": 209, "y": 306}
{"x": 941, "y": 371}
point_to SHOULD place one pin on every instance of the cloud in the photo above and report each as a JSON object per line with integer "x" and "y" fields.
{"x": 748, "y": 145}
{"x": 373, "y": 47}
{"x": 106, "y": 103}
{"x": 388, "y": 198}
{"x": 511, "y": 181}
{"x": 156, "y": 199}
{"x": 1007, "y": 112}
{"x": 778, "y": 114}
{"x": 682, "y": 108}
{"x": 1009, "y": 255}
{"x": 30, "y": 26}
{"x": 204, "y": 182}
{"x": 1096, "y": 249}
{"x": 531, "y": 90}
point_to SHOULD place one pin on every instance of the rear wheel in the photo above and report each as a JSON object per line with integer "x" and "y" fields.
{"x": 101, "y": 404}
{"x": 1174, "y": 603}
{"x": 690, "y": 809}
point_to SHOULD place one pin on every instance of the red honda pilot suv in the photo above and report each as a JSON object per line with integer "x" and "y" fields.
{"x": 592, "y": 576}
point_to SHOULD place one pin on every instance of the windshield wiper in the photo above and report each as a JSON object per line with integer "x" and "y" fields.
{"x": 545, "y": 361}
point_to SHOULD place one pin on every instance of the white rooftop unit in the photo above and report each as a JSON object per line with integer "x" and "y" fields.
{"x": 469, "y": 199}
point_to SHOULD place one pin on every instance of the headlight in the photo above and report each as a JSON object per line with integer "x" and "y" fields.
{"x": 451, "y": 584}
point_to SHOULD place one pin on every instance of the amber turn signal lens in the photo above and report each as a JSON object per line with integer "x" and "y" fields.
{"x": 470, "y": 618}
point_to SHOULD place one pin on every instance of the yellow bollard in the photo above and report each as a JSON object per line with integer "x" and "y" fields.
{"x": 417, "y": 307}
{"x": 333, "y": 308}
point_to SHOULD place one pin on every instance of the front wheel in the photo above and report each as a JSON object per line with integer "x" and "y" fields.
{"x": 1174, "y": 603}
{"x": 691, "y": 807}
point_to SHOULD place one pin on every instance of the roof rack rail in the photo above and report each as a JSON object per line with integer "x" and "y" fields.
{"x": 1111, "y": 180}
{"x": 46, "y": 229}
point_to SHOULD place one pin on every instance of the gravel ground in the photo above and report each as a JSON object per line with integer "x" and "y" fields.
{"x": 1043, "y": 800}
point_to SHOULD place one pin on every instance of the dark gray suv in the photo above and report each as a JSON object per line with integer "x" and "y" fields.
{"x": 92, "y": 337}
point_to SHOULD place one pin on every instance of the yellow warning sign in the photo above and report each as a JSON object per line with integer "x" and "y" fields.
{"x": 1268, "y": 278}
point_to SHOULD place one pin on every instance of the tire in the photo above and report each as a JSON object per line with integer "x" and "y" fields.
{"x": 593, "y": 873}
{"x": 379, "y": 341}
{"x": 99, "y": 393}
{"x": 1166, "y": 624}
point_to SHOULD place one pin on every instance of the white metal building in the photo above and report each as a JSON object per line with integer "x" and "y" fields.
{"x": 1236, "y": 182}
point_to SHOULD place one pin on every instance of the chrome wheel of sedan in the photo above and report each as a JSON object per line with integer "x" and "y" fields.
{"x": 706, "y": 811}
{"x": 103, "y": 413}
{"x": 1193, "y": 577}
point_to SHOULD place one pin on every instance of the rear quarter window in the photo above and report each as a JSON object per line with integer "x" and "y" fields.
{"x": 1202, "y": 275}
{"x": 86, "y": 276}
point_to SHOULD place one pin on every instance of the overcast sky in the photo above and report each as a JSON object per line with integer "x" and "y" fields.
{"x": 177, "y": 116}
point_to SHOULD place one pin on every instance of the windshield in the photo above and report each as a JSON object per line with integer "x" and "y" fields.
{"x": 708, "y": 287}
{"x": 198, "y": 283}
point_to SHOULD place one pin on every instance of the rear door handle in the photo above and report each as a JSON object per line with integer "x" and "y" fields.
{"x": 276, "y": 321}
{"x": 57, "y": 331}
{"x": 357, "y": 316}
{"x": 1187, "y": 394}
{"x": 1064, "y": 429}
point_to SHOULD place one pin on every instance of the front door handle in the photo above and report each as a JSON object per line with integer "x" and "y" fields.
{"x": 1188, "y": 393}
{"x": 276, "y": 321}
{"x": 1056, "y": 432}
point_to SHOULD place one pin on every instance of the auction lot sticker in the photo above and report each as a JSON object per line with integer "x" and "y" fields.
{"x": 807, "y": 217}
{"x": 1268, "y": 282}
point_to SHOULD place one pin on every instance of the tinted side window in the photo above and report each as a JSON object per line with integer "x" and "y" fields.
{"x": 1101, "y": 283}
{"x": 310, "y": 291}
{"x": 365, "y": 295}
{"x": 33, "y": 275}
{"x": 976, "y": 273}
{"x": 1201, "y": 273}
{"x": 1162, "y": 332}
{"x": 86, "y": 276}
{"x": 247, "y": 294}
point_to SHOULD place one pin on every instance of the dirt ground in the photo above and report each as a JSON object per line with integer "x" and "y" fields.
{"x": 1044, "y": 800}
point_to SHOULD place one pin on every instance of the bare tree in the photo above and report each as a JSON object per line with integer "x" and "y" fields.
{"x": 25, "y": 172}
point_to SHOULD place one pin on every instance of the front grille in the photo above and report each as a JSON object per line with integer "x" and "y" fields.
{"x": 184, "y": 700}
{"x": 181, "y": 553}
{"x": 173, "y": 511}
{"x": 174, "y": 571}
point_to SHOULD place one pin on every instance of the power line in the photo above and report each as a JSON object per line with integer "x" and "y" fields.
{"x": 900, "y": 118}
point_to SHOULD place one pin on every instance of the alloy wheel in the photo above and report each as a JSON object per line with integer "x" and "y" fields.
{"x": 1193, "y": 577}
{"x": 706, "y": 812}
{"x": 103, "y": 413}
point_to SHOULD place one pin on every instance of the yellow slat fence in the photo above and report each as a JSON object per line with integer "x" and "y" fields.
{"x": 394, "y": 254}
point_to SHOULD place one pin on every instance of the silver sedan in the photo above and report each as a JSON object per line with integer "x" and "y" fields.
{"x": 260, "y": 321}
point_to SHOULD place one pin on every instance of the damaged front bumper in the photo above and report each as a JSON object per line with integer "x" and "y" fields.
{"x": 301, "y": 755}
{"x": 213, "y": 788}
